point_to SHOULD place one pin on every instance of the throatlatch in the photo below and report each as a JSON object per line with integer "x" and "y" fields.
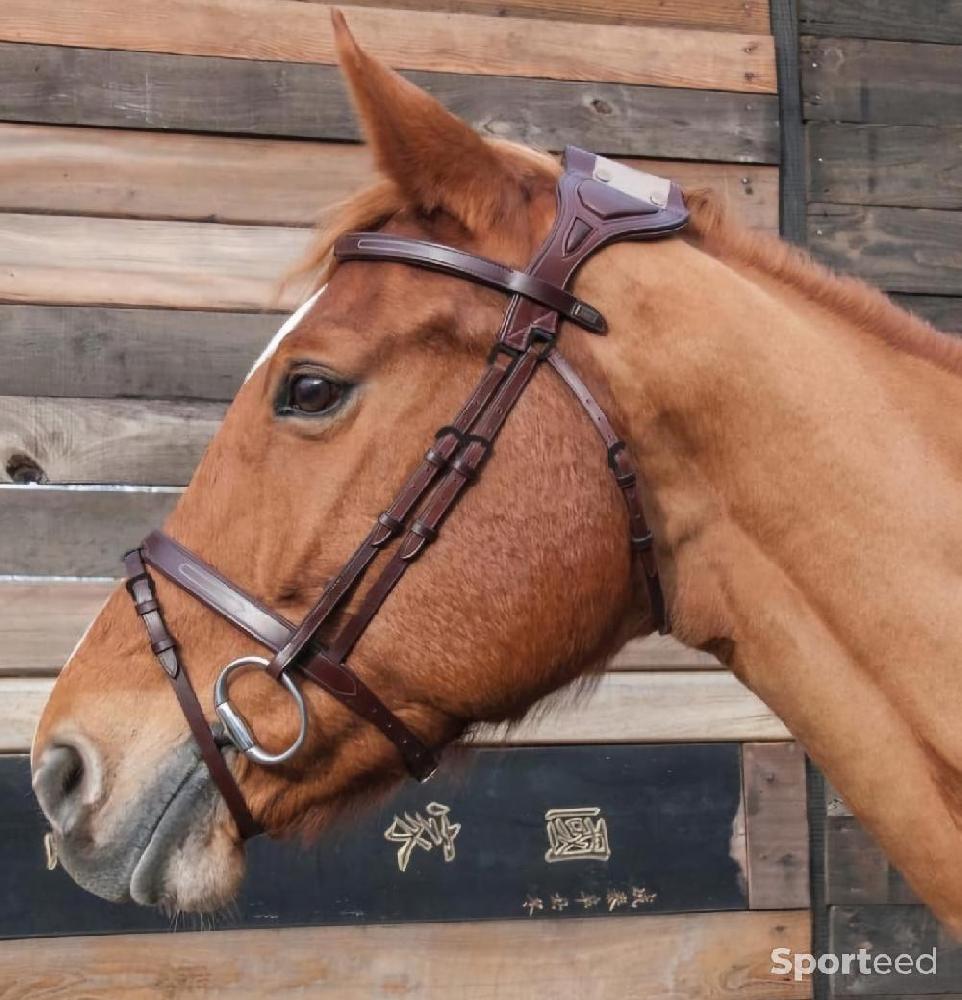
{"x": 599, "y": 202}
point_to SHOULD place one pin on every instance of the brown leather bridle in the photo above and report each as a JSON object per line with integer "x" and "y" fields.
{"x": 599, "y": 202}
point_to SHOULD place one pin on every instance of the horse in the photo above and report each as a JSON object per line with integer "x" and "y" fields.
{"x": 800, "y": 469}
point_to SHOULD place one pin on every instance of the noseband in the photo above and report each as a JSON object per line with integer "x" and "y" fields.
{"x": 599, "y": 202}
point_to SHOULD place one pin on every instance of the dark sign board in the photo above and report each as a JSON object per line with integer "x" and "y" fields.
{"x": 529, "y": 833}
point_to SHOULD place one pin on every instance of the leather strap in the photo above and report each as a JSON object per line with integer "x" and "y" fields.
{"x": 141, "y": 589}
{"x": 625, "y": 475}
{"x": 391, "y": 522}
{"x": 202, "y": 581}
{"x": 215, "y": 591}
{"x": 437, "y": 257}
{"x": 461, "y": 474}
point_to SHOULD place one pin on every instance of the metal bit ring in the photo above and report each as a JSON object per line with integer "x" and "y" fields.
{"x": 238, "y": 730}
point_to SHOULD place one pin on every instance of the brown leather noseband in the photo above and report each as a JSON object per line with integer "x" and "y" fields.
{"x": 599, "y": 202}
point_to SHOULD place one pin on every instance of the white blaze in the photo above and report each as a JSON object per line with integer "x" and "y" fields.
{"x": 290, "y": 324}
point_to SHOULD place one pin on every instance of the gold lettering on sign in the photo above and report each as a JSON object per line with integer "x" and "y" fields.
{"x": 417, "y": 831}
{"x": 639, "y": 897}
{"x": 532, "y": 903}
{"x": 576, "y": 835}
{"x": 615, "y": 898}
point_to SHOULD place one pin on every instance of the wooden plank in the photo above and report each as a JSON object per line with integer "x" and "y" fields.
{"x": 894, "y": 930}
{"x": 856, "y": 870}
{"x": 661, "y": 652}
{"x": 653, "y": 707}
{"x": 23, "y": 701}
{"x": 91, "y": 171}
{"x": 898, "y": 249}
{"x": 42, "y": 619}
{"x": 499, "y": 849}
{"x": 290, "y": 31}
{"x": 188, "y": 265}
{"x": 75, "y": 531}
{"x": 943, "y": 312}
{"x": 151, "y": 175}
{"x": 98, "y": 352}
{"x": 792, "y": 149}
{"x": 749, "y": 16}
{"x": 712, "y": 955}
{"x": 895, "y": 19}
{"x": 776, "y": 825}
{"x": 64, "y": 440}
{"x": 916, "y": 166}
{"x": 151, "y": 91}
{"x": 881, "y": 83}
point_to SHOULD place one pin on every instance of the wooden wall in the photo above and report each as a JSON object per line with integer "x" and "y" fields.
{"x": 160, "y": 167}
{"x": 882, "y": 101}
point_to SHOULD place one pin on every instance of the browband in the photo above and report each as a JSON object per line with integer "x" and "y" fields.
{"x": 448, "y": 260}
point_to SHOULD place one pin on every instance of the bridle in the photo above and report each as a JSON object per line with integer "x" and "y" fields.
{"x": 599, "y": 202}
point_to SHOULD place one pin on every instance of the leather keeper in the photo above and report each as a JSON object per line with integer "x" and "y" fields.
{"x": 387, "y": 520}
{"x": 423, "y": 530}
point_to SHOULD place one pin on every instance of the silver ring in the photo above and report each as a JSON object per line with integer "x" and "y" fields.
{"x": 236, "y": 725}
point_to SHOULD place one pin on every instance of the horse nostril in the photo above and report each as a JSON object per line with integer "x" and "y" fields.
{"x": 61, "y": 783}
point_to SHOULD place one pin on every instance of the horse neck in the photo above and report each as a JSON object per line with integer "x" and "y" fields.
{"x": 802, "y": 477}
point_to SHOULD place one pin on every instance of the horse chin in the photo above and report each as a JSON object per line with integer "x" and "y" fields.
{"x": 173, "y": 849}
{"x": 192, "y": 862}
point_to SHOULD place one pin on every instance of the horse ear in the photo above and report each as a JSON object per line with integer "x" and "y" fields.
{"x": 437, "y": 160}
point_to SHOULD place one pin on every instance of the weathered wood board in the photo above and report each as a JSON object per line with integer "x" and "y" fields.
{"x": 291, "y": 31}
{"x": 211, "y": 94}
{"x": 894, "y": 19}
{"x": 723, "y": 15}
{"x": 898, "y": 249}
{"x": 711, "y": 956}
{"x": 776, "y": 824}
{"x": 64, "y": 440}
{"x": 894, "y": 930}
{"x": 879, "y": 82}
{"x": 493, "y": 836}
{"x": 89, "y": 351}
{"x": 915, "y": 166}
{"x": 942, "y": 311}
{"x": 187, "y": 265}
{"x": 158, "y": 175}
{"x": 41, "y": 621}
{"x": 153, "y": 175}
{"x": 636, "y": 707}
{"x": 856, "y": 869}
{"x": 75, "y": 531}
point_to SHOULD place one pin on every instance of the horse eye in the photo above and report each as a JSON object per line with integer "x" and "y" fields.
{"x": 313, "y": 394}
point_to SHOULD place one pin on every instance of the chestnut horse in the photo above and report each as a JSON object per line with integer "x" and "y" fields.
{"x": 802, "y": 473}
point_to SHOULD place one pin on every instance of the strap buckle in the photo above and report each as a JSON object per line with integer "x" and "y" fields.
{"x": 470, "y": 471}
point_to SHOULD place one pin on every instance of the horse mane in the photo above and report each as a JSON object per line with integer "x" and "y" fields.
{"x": 368, "y": 209}
{"x": 717, "y": 233}
{"x": 870, "y": 309}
